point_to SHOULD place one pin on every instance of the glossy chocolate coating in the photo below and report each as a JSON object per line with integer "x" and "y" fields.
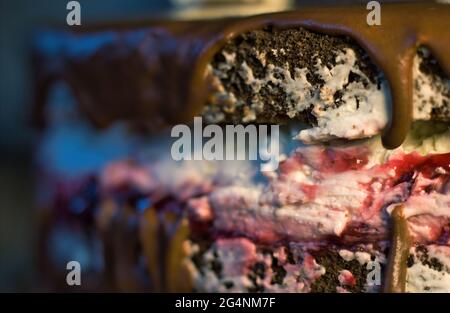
{"x": 399, "y": 253}
{"x": 154, "y": 72}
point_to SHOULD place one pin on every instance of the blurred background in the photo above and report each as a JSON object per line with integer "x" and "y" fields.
{"x": 18, "y": 20}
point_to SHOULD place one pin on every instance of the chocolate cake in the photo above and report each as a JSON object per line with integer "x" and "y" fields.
{"x": 360, "y": 201}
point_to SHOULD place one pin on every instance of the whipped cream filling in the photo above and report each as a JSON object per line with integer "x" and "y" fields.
{"x": 350, "y": 204}
{"x": 430, "y": 271}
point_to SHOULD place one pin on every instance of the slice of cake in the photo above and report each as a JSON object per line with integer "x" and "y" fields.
{"x": 360, "y": 199}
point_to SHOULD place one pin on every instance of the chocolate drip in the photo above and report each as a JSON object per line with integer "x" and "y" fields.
{"x": 399, "y": 252}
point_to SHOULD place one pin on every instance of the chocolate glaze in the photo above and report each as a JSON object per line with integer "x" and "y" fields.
{"x": 399, "y": 252}
{"x": 153, "y": 73}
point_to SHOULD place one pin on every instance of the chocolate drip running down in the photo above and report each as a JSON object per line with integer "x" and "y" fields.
{"x": 154, "y": 72}
{"x": 398, "y": 256}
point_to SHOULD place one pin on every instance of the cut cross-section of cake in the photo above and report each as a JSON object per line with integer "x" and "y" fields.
{"x": 360, "y": 201}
